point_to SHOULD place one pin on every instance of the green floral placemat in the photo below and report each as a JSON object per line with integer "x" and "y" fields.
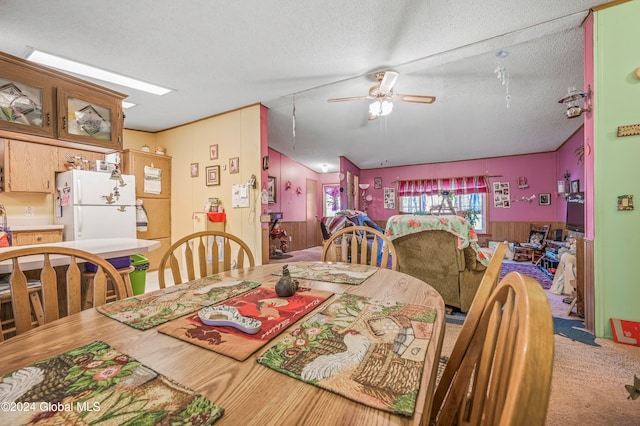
{"x": 362, "y": 349}
{"x": 96, "y": 384}
{"x": 157, "y": 307}
{"x": 340, "y": 273}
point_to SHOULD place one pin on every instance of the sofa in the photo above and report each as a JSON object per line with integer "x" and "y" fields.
{"x": 436, "y": 257}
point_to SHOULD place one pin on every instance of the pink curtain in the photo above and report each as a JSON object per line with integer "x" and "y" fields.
{"x": 454, "y": 185}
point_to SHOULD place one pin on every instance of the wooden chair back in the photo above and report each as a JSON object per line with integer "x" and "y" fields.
{"x": 487, "y": 286}
{"x": 504, "y": 377}
{"x": 351, "y": 245}
{"x": 192, "y": 256}
{"x": 40, "y": 301}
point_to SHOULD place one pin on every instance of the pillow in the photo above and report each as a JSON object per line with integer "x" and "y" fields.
{"x": 536, "y": 239}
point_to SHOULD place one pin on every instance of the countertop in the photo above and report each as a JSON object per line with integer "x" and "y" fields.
{"x": 106, "y": 248}
{"x": 35, "y": 227}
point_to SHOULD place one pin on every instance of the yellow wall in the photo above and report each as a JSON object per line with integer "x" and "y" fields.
{"x": 16, "y": 203}
{"x": 237, "y": 134}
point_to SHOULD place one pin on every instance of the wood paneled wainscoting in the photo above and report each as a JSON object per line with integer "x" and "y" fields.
{"x": 297, "y": 234}
{"x": 516, "y": 232}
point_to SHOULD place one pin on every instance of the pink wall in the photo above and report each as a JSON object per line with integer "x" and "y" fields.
{"x": 567, "y": 160}
{"x": 539, "y": 169}
{"x": 542, "y": 171}
{"x": 588, "y": 129}
{"x": 293, "y": 205}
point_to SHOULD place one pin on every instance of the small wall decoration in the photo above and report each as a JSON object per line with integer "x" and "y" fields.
{"x": 265, "y": 162}
{"x": 389, "y": 198}
{"x": 234, "y": 165}
{"x": 377, "y": 183}
{"x": 195, "y": 170}
{"x": 213, "y": 152}
{"x": 625, "y": 202}
{"x": 522, "y": 182}
{"x": 630, "y": 130}
{"x": 271, "y": 189}
{"x": 544, "y": 199}
{"x": 501, "y": 195}
{"x": 575, "y": 186}
{"x": 213, "y": 175}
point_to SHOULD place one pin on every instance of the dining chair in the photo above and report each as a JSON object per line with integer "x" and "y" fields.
{"x": 351, "y": 245}
{"x": 193, "y": 256}
{"x": 504, "y": 377}
{"x": 56, "y": 288}
{"x": 487, "y": 285}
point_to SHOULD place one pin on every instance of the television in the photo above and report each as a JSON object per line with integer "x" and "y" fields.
{"x": 575, "y": 212}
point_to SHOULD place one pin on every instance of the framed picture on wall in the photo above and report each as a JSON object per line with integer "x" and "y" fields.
{"x": 271, "y": 189}
{"x": 544, "y": 199}
{"x": 575, "y": 186}
{"x": 213, "y": 152}
{"x": 234, "y": 165}
{"x": 195, "y": 170}
{"x": 213, "y": 175}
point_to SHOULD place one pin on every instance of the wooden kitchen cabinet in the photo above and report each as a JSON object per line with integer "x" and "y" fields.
{"x": 26, "y": 99}
{"x": 89, "y": 117}
{"x": 27, "y": 166}
{"x": 157, "y": 206}
{"x": 23, "y": 238}
{"x": 134, "y": 162}
{"x": 37, "y": 102}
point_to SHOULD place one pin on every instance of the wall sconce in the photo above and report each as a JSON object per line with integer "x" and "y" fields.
{"x": 564, "y": 186}
{"x": 576, "y": 102}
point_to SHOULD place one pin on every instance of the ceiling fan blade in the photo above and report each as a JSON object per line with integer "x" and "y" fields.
{"x": 352, "y": 98}
{"x": 388, "y": 81}
{"x": 415, "y": 98}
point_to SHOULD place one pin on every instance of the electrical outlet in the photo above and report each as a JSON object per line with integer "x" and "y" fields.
{"x": 28, "y": 211}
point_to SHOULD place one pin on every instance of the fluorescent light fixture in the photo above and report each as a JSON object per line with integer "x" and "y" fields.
{"x": 126, "y": 104}
{"x": 93, "y": 72}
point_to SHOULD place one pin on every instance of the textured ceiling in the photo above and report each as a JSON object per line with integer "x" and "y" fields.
{"x": 222, "y": 55}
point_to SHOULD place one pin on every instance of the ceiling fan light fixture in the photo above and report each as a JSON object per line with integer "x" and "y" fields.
{"x": 379, "y": 108}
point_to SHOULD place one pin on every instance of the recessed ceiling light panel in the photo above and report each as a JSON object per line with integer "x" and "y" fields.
{"x": 57, "y": 62}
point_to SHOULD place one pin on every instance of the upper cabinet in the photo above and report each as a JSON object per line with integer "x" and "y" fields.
{"x": 26, "y": 101}
{"x": 89, "y": 117}
{"x": 41, "y": 102}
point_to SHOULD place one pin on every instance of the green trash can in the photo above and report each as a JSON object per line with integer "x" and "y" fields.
{"x": 138, "y": 276}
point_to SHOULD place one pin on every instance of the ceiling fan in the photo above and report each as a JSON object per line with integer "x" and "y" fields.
{"x": 383, "y": 96}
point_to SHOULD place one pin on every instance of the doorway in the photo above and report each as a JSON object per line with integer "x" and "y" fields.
{"x": 312, "y": 214}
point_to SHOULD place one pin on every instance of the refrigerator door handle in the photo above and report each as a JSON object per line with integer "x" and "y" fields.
{"x": 79, "y": 220}
{"x": 79, "y": 190}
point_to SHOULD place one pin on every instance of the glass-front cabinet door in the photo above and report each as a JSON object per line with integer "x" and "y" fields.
{"x": 26, "y": 102}
{"x": 89, "y": 117}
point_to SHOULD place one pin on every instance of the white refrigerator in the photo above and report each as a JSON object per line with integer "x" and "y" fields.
{"x": 92, "y": 205}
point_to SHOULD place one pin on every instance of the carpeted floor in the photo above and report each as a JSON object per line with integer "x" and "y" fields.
{"x": 527, "y": 269}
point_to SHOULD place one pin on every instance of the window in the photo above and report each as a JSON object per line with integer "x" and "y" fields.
{"x": 463, "y": 202}
{"x": 467, "y": 193}
{"x": 330, "y": 200}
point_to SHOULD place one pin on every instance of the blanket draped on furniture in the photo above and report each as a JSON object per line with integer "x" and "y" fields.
{"x": 449, "y": 261}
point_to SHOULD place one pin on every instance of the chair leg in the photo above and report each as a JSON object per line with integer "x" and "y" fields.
{"x": 572, "y": 305}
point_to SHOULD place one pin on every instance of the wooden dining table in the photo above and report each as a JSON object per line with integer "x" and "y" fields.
{"x": 249, "y": 392}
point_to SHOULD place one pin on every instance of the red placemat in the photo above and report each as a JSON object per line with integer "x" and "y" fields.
{"x": 276, "y": 314}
